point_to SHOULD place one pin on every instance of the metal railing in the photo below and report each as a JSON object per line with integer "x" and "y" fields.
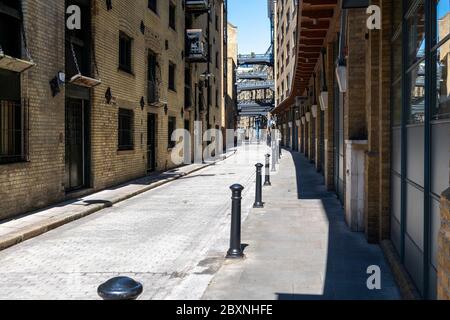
{"x": 248, "y": 59}
{"x": 256, "y": 85}
{"x": 252, "y": 76}
{"x": 13, "y": 131}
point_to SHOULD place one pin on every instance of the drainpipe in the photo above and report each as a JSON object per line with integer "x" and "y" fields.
{"x": 341, "y": 69}
{"x": 208, "y": 72}
{"x": 342, "y": 39}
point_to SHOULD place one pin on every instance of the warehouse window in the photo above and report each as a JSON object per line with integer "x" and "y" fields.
{"x": 172, "y": 125}
{"x": 172, "y": 15}
{"x": 10, "y": 19}
{"x": 153, "y": 5}
{"x": 11, "y": 132}
{"x": 125, "y": 45}
{"x": 172, "y": 69}
{"x": 126, "y": 129}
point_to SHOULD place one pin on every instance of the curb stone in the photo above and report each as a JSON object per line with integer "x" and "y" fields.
{"x": 35, "y": 229}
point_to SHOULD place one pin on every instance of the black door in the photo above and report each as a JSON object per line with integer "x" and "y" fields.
{"x": 75, "y": 148}
{"x": 151, "y": 140}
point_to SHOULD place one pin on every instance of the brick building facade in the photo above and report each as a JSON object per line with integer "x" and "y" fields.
{"x": 361, "y": 99}
{"x": 110, "y": 120}
{"x": 32, "y": 121}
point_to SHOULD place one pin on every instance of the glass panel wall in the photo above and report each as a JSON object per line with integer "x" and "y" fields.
{"x": 420, "y": 108}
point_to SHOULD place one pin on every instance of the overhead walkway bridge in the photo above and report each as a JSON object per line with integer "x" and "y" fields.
{"x": 252, "y": 76}
{"x": 255, "y": 59}
{"x": 255, "y": 85}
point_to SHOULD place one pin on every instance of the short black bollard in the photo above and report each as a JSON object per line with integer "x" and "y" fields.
{"x": 267, "y": 177}
{"x": 235, "y": 251}
{"x": 279, "y": 145}
{"x": 258, "y": 194}
{"x": 120, "y": 288}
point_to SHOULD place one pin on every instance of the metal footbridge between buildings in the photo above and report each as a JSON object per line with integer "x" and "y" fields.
{"x": 254, "y": 75}
{"x": 255, "y": 59}
{"x": 255, "y": 85}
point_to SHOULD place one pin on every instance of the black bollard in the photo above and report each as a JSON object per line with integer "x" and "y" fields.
{"x": 235, "y": 251}
{"x": 267, "y": 178}
{"x": 279, "y": 153}
{"x": 120, "y": 288}
{"x": 258, "y": 194}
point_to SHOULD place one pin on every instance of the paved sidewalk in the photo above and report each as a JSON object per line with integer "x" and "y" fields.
{"x": 299, "y": 247}
{"x": 172, "y": 239}
{"x": 28, "y": 226}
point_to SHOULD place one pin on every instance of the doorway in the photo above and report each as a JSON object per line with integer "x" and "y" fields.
{"x": 151, "y": 142}
{"x": 76, "y": 151}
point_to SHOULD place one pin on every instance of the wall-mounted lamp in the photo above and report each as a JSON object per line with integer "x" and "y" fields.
{"x": 54, "y": 86}
{"x": 308, "y": 116}
{"x": 142, "y": 27}
{"x": 166, "y": 109}
{"x": 108, "y": 95}
{"x": 314, "y": 105}
{"x": 57, "y": 82}
{"x": 182, "y": 112}
{"x": 142, "y": 103}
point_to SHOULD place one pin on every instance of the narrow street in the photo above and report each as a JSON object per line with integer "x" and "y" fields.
{"x": 173, "y": 240}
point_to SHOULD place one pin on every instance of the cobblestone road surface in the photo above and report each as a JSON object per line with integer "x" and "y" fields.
{"x": 172, "y": 239}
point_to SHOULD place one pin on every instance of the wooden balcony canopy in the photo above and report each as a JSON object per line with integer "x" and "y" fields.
{"x": 314, "y": 21}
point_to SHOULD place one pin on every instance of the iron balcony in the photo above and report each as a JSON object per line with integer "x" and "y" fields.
{"x": 196, "y": 46}
{"x": 197, "y": 6}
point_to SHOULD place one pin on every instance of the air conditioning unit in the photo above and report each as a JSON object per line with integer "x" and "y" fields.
{"x": 196, "y": 46}
{"x": 196, "y": 5}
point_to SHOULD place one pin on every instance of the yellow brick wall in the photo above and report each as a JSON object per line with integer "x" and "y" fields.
{"x": 444, "y": 249}
{"x": 30, "y": 185}
{"x": 110, "y": 166}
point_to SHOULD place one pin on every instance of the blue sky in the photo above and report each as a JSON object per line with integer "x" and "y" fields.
{"x": 250, "y": 16}
{"x": 443, "y": 7}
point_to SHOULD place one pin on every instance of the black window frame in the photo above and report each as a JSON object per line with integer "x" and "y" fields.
{"x": 125, "y": 143}
{"x": 127, "y": 65}
{"x": 15, "y": 142}
{"x": 172, "y": 76}
{"x": 152, "y": 84}
{"x": 172, "y": 16}
{"x": 12, "y": 18}
{"x": 153, "y": 5}
{"x": 171, "y": 127}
